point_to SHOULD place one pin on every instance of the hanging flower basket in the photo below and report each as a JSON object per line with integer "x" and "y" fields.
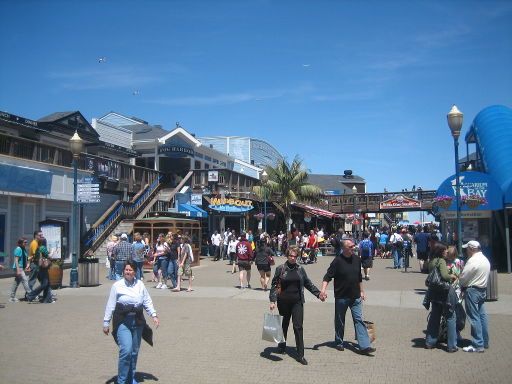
{"x": 259, "y": 216}
{"x": 443, "y": 201}
{"x": 473, "y": 201}
{"x": 271, "y": 216}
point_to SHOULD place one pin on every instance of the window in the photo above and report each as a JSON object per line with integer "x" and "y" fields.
{"x": 197, "y": 164}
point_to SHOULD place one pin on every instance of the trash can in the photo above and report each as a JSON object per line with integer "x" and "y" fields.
{"x": 492, "y": 286}
{"x": 88, "y": 272}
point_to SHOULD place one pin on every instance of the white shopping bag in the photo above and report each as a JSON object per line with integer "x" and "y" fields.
{"x": 272, "y": 328}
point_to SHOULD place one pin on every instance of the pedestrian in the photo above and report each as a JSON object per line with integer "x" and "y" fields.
{"x": 19, "y": 265}
{"x": 140, "y": 248}
{"x": 287, "y": 290}
{"x": 128, "y": 297}
{"x": 474, "y": 279}
{"x": 110, "y": 257}
{"x": 348, "y": 293}
{"x": 366, "y": 253}
{"x": 262, "y": 260}
{"x": 185, "y": 264}
{"x": 160, "y": 261}
{"x": 42, "y": 258}
{"x": 122, "y": 252}
{"x": 33, "y": 265}
{"x": 438, "y": 299}
{"x": 216, "y": 241}
{"x": 244, "y": 255}
{"x": 396, "y": 242}
{"x": 232, "y": 252}
{"x": 172, "y": 259}
{"x": 421, "y": 239}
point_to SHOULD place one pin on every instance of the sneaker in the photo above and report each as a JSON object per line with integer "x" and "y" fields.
{"x": 159, "y": 285}
{"x": 13, "y": 300}
{"x": 302, "y": 360}
{"x": 248, "y": 286}
{"x": 340, "y": 347}
{"x": 473, "y": 349}
{"x": 367, "y": 351}
{"x": 164, "y": 286}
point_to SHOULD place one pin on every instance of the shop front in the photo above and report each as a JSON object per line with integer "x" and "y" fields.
{"x": 232, "y": 213}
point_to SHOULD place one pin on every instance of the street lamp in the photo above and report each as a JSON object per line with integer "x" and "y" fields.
{"x": 455, "y": 118}
{"x": 76, "y": 145}
{"x": 354, "y": 226}
{"x": 264, "y": 181}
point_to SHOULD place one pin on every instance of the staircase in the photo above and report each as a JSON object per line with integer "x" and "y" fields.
{"x": 122, "y": 227}
{"x": 388, "y": 218}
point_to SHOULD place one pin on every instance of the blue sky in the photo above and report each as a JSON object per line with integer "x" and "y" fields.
{"x": 361, "y": 85}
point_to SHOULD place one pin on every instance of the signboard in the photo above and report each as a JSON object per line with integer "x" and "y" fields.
{"x": 230, "y": 205}
{"x": 472, "y": 184}
{"x": 332, "y": 192}
{"x": 452, "y": 215}
{"x": 175, "y": 149}
{"x": 400, "y": 202}
{"x": 196, "y": 199}
{"x": 53, "y": 236}
{"x": 88, "y": 190}
{"x": 213, "y": 176}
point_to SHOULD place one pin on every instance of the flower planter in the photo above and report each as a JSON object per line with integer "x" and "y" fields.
{"x": 55, "y": 274}
{"x": 472, "y": 203}
{"x": 445, "y": 204}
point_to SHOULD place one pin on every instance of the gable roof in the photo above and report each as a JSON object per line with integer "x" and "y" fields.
{"x": 68, "y": 123}
{"x": 180, "y": 130}
{"x": 145, "y": 132}
{"x": 333, "y": 182}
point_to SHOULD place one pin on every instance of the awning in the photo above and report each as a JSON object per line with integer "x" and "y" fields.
{"x": 317, "y": 211}
{"x": 192, "y": 210}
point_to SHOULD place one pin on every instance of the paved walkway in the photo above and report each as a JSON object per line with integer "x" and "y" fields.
{"x": 213, "y": 335}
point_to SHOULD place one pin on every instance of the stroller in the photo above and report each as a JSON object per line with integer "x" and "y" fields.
{"x": 307, "y": 256}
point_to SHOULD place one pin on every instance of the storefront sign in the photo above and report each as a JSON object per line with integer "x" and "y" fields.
{"x": 175, "y": 149}
{"x": 473, "y": 185}
{"x": 17, "y": 119}
{"x": 230, "y": 205}
{"x": 452, "y": 215}
{"x": 196, "y": 199}
{"x": 400, "y": 202}
{"x": 213, "y": 176}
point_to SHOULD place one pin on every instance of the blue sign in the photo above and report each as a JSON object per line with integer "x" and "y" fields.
{"x": 478, "y": 192}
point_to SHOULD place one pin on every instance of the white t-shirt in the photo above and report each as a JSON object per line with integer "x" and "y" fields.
{"x": 476, "y": 271}
{"x": 216, "y": 238}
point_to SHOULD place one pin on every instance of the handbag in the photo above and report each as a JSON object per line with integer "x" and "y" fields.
{"x": 272, "y": 328}
{"x": 278, "y": 285}
{"x": 271, "y": 260}
{"x": 44, "y": 262}
{"x": 434, "y": 280}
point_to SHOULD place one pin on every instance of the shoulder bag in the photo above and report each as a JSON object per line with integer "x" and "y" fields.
{"x": 434, "y": 280}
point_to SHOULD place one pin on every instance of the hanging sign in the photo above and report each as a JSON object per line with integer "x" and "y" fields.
{"x": 400, "y": 202}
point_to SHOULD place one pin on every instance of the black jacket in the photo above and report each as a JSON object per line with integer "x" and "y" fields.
{"x": 305, "y": 282}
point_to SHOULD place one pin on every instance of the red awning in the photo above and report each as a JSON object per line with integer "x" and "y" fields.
{"x": 316, "y": 211}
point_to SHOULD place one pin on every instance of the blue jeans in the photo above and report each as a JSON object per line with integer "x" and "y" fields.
{"x": 475, "y": 298}
{"x": 140, "y": 273}
{"x": 356, "y": 308}
{"x": 397, "y": 258}
{"x": 163, "y": 264}
{"x": 172, "y": 272}
{"x": 34, "y": 275}
{"x": 43, "y": 287}
{"x": 119, "y": 269}
{"x": 129, "y": 335}
{"x": 439, "y": 309}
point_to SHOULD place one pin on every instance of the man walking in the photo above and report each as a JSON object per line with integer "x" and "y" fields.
{"x": 366, "y": 252}
{"x": 348, "y": 293}
{"x": 216, "y": 239}
{"x": 473, "y": 279}
{"x": 122, "y": 252}
{"x": 33, "y": 265}
{"x": 396, "y": 242}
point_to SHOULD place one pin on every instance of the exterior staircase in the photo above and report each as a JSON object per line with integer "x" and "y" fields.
{"x": 122, "y": 227}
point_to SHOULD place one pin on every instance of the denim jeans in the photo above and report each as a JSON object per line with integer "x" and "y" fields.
{"x": 119, "y": 269}
{"x": 163, "y": 264}
{"x": 475, "y": 310}
{"x": 23, "y": 279}
{"x": 172, "y": 271}
{"x": 140, "y": 273}
{"x": 397, "y": 258}
{"x": 34, "y": 275}
{"x": 356, "y": 308}
{"x": 129, "y": 335}
{"x": 439, "y": 309}
{"x": 43, "y": 287}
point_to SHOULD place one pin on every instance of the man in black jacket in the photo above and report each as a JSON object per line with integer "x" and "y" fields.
{"x": 348, "y": 293}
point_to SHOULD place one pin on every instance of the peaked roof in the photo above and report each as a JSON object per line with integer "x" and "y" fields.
{"x": 145, "y": 132}
{"x": 180, "y": 130}
{"x": 333, "y": 182}
{"x": 68, "y": 122}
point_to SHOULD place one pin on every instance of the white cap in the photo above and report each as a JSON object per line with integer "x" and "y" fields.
{"x": 124, "y": 236}
{"x": 472, "y": 244}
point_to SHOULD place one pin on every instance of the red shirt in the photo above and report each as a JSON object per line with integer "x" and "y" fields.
{"x": 312, "y": 243}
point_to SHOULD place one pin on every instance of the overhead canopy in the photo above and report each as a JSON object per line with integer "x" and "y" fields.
{"x": 316, "y": 211}
{"x": 192, "y": 210}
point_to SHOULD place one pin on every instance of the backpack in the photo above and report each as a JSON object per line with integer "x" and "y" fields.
{"x": 365, "y": 248}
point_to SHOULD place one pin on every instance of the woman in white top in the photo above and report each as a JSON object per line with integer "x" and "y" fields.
{"x": 128, "y": 297}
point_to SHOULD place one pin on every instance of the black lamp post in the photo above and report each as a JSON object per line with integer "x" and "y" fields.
{"x": 354, "y": 225}
{"x": 76, "y": 145}
{"x": 455, "y": 119}
{"x": 264, "y": 181}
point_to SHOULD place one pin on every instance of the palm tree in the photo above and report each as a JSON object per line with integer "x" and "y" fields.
{"x": 287, "y": 183}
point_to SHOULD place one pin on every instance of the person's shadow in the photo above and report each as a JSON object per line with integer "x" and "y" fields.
{"x": 140, "y": 377}
{"x": 271, "y": 353}
{"x": 348, "y": 345}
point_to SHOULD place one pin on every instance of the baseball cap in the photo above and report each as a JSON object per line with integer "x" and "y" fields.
{"x": 124, "y": 236}
{"x": 472, "y": 244}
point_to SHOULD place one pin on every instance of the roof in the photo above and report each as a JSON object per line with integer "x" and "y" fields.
{"x": 146, "y": 132}
{"x": 492, "y": 131}
{"x": 56, "y": 116}
{"x": 334, "y": 182}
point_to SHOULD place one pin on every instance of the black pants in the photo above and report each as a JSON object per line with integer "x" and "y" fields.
{"x": 295, "y": 310}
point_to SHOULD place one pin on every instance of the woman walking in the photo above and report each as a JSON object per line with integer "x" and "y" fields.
{"x": 128, "y": 297}
{"x": 438, "y": 299}
{"x": 262, "y": 261}
{"x": 19, "y": 265}
{"x": 287, "y": 289}
{"x": 42, "y": 259}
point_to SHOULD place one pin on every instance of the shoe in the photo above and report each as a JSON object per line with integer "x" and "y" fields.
{"x": 367, "y": 351}
{"x": 158, "y": 286}
{"x": 486, "y": 346}
{"x": 281, "y": 348}
{"x": 366, "y": 278}
{"x": 13, "y": 300}
{"x": 473, "y": 349}
{"x": 248, "y": 286}
{"x": 340, "y": 347}
{"x": 429, "y": 346}
{"x": 452, "y": 350}
{"x": 302, "y": 360}
{"x": 164, "y": 286}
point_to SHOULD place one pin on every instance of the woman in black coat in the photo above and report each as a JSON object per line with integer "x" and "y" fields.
{"x": 287, "y": 289}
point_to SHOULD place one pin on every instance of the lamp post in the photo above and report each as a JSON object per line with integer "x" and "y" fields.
{"x": 354, "y": 226}
{"x": 455, "y": 119}
{"x": 264, "y": 181}
{"x": 76, "y": 145}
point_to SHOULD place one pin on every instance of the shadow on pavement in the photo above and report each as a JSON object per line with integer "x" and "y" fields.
{"x": 140, "y": 377}
{"x": 269, "y": 354}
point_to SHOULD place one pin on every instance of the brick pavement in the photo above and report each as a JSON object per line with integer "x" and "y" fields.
{"x": 213, "y": 335}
